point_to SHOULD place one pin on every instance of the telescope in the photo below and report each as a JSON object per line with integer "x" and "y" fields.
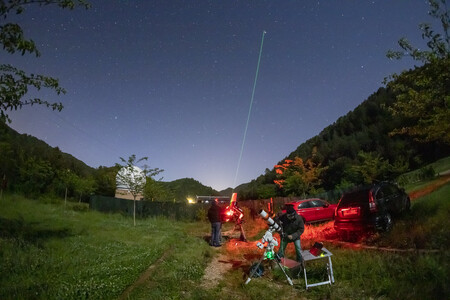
{"x": 268, "y": 242}
{"x": 269, "y": 221}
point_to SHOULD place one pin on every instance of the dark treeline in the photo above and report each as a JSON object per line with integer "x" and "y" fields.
{"x": 31, "y": 167}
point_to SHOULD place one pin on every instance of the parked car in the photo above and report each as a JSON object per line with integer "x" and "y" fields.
{"x": 370, "y": 208}
{"x": 313, "y": 210}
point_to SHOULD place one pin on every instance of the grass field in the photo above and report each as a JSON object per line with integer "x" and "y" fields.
{"x": 57, "y": 251}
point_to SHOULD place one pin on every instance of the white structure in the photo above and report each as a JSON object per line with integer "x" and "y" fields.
{"x": 122, "y": 189}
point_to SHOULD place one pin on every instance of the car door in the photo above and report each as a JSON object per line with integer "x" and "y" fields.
{"x": 396, "y": 199}
{"x": 388, "y": 198}
{"x": 328, "y": 211}
{"x": 319, "y": 210}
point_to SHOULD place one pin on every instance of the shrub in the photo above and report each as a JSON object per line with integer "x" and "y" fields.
{"x": 427, "y": 173}
{"x": 201, "y": 215}
{"x": 80, "y": 207}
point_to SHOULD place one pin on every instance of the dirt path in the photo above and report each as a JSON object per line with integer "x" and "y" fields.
{"x": 442, "y": 180}
{"x": 215, "y": 271}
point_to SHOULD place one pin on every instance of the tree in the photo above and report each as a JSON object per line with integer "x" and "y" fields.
{"x": 266, "y": 191}
{"x": 134, "y": 178}
{"x": 36, "y": 176}
{"x": 65, "y": 182}
{"x": 154, "y": 190}
{"x": 105, "y": 178}
{"x": 298, "y": 177}
{"x": 423, "y": 95}
{"x": 371, "y": 167}
{"x": 84, "y": 186}
{"x": 14, "y": 83}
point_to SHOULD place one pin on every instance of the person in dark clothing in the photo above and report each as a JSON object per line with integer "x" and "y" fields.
{"x": 293, "y": 227}
{"x": 215, "y": 218}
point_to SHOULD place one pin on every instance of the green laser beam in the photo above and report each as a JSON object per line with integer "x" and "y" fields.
{"x": 249, "y": 110}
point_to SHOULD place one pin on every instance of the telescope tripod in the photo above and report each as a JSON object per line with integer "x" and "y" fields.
{"x": 278, "y": 261}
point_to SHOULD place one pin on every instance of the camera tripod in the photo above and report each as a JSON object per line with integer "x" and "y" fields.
{"x": 278, "y": 261}
{"x": 269, "y": 242}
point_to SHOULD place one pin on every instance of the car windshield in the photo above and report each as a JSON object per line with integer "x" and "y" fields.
{"x": 361, "y": 196}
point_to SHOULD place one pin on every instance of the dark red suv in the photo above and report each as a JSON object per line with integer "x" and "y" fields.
{"x": 370, "y": 208}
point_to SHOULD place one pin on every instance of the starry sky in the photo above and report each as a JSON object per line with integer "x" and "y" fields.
{"x": 173, "y": 80}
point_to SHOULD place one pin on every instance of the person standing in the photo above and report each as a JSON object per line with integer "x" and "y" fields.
{"x": 293, "y": 227}
{"x": 215, "y": 218}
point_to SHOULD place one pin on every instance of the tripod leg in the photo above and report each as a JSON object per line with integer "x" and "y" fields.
{"x": 242, "y": 237}
{"x": 282, "y": 269}
{"x": 254, "y": 270}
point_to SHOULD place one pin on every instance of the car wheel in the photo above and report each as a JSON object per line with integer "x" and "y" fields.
{"x": 387, "y": 222}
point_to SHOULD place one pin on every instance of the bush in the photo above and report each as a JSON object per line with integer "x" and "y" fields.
{"x": 201, "y": 215}
{"x": 80, "y": 207}
{"x": 49, "y": 199}
{"x": 427, "y": 173}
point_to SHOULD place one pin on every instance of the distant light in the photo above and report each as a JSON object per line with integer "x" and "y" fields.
{"x": 190, "y": 200}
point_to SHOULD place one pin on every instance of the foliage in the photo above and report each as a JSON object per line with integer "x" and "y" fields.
{"x": 202, "y": 215}
{"x": 423, "y": 101}
{"x": 134, "y": 179}
{"x": 423, "y": 95}
{"x": 372, "y": 167}
{"x": 14, "y": 86}
{"x": 438, "y": 43}
{"x": 155, "y": 190}
{"x": 32, "y": 167}
{"x": 298, "y": 177}
{"x": 84, "y": 186}
{"x": 105, "y": 178}
{"x": 35, "y": 174}
{"x": 15, "y": 83}
{"x": 180, "y": 189}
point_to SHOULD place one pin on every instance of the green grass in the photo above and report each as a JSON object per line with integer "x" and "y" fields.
{"x": 411, "y": 180}
{"x": 52, "y": 251}
{"x": 441, "y": 165}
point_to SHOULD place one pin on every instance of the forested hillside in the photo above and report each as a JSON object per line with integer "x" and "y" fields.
{"x": 188, "y": 187}
{"x": 32, "y": 167}
{"x": 357, "y": 148}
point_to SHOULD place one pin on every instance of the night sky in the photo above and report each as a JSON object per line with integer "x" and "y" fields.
{"x": 173, "y": 80}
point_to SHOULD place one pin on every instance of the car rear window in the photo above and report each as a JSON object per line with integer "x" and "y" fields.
{"x": 361, "y": 196}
